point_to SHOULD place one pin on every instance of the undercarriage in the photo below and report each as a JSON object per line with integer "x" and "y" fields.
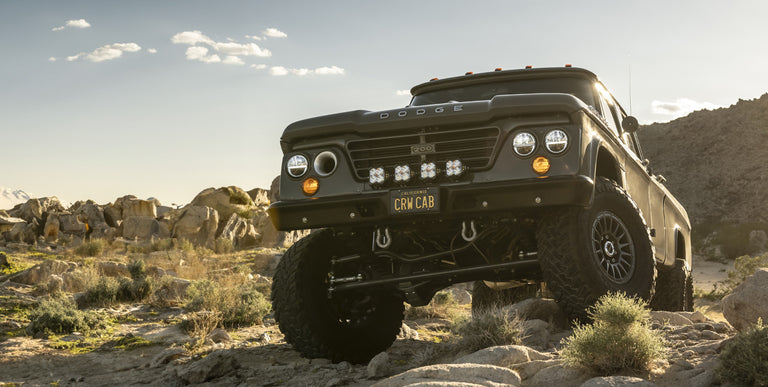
{"x": 415, "y": 261}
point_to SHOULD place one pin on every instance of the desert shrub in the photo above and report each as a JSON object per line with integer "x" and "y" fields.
{"x": 744, "y": 361}
{"x": 744, "y": 267}
{"x": 618, "y": 338}
{"x": 10, "y": 267}
{"x": 443, "y": 305}
{"x": 138, "y": 269}
{"x": 161, "y": 245}
{"x": 102, "y": 293}
{"x": 238, "y": 305}
{"x": 488, "y": 328}
{"x": 109, "y": 291}
{"x": 91, "y": 248}
{"x": 223, "y": 246}
{"x": 200, "y": 324}
{"x": 184, "y": 245}
{"x": 60, "y": 316}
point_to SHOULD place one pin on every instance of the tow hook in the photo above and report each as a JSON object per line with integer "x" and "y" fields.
{"x": 383, "y": 241}
{"x": 473, "y": 235}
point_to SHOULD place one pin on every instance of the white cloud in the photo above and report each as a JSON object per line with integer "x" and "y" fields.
{"x": 191, "y": 38}
{"x": 105, "y": 53}
{"x": 152, "y": 50}
{"x": 403, "y": 92}
{"x": 51, "y": 59}
{"x": 333, "y": 70}
{"x": 258, "y": 66}
{"x": 231, "y": 50}
{"x": 79, "y": 23}
{"x": 247, "y": 49}
{"x": 680, "y": 107}
{"x": 201, "y": 54}
{"x": 254, "y": 37}
{"x": 275, "y": 33}
{"x": 231, "y": 59}
{"x": 278, "y": 71}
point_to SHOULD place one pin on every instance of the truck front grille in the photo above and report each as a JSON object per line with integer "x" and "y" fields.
{"x": 474, "y": 147}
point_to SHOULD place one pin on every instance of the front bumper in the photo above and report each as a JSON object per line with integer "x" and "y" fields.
{"x": 456, "y": 201}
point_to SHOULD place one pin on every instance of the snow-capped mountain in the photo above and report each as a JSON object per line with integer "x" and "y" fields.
{"x": 11, "y": 197}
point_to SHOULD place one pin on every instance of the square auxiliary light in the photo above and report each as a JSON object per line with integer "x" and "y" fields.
{"x": 454, "y": 168}
{"x": 428, "y": 171}
{"x": 402, "y": 173}
{"x": 376, "y": 176}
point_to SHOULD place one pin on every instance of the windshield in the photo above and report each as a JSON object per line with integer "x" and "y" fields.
{"x": 578, "y": 87}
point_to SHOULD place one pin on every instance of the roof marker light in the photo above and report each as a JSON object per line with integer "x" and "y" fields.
{"x": 529, "y": 67}
{"x": 568, "y": 65}
{"x": 433, "y": 79}
{"x": 498, "y": 69}
{"x": 468, "y": 73}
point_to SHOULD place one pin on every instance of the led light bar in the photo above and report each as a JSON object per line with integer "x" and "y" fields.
{"x": 428, "y": 171}
{"x": 454, "y": 168}
{"x": 402, "y": 173}
{"x": 376, "y": 176}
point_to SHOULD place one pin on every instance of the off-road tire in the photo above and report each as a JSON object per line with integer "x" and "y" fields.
{"x": 485, "y": 298}
{"x": 571, "y": 265}
{"x": 674, "y": 290}
{"x": 317, "y": 326}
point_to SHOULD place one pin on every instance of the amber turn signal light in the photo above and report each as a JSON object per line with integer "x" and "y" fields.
{"x": 541, "y": 165}
{"x": 310, "y": 186}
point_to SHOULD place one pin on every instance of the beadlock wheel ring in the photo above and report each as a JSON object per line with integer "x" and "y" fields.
{"x": 612, "y": 248}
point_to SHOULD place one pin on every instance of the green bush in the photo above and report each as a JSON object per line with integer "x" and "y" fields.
{"x": 744, "y": 361}
{"x": 223, "y": 246}
{"x": 618, "y": 339}
{"x": 744, "y": 267}
{"x": 138, "y": 270}
{"x": 59, "y": 316}
{"x": 91, "y": 248}
{"x": 490, "y": 327}
{"x": 162, "y": 245}
{"x": 109, "y": 291}
{"x": 102, "y": 293}
{"x": 240, "y": 305}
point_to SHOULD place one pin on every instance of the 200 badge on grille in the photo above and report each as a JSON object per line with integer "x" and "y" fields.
{"x": 414, "y": 200}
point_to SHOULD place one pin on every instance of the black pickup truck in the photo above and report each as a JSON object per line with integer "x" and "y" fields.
{"x": 519, "y": 180}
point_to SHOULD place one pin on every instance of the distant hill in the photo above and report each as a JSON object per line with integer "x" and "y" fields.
{"x": 11, "y": 197}
{"x": 715, "y": 161}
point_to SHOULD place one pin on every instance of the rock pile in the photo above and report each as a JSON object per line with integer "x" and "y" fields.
{"x": 227, "y": 213}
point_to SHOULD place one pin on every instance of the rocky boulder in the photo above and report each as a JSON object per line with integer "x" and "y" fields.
{"x": 225, "y": 200}
{"x": 36, "y": 208}
{"x": 242, "y": 233}
{"x": 41, "y": 273}
{"x": 260, "y": 197}
{"x": 144, "y": 228}
{"x": 454, "y": 374}
{"x": 748, "y": 302}
{"x": 274, "y": 190}
{"x": 197, "y": 224}
{"x": 137, "y": 207}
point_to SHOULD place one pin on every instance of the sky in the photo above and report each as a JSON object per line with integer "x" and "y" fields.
{"x": 100, "y": 99}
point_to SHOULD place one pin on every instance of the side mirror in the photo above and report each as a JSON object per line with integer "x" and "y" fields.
{"x": 630, "y": 124}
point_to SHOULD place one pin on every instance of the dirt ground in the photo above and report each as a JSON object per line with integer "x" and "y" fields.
{"x": 259, "y": 354}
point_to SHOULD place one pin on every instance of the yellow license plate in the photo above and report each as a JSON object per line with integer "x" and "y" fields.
{"x": 414, "y": 200}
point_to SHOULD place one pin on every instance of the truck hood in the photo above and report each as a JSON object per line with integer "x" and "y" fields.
{"x": 363, "y": 122}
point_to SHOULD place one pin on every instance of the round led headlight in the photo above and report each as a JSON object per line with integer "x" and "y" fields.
{"x": 524, "y": 144}
{"x": 556, "y": 141}
{"x": 297, "y": 165}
